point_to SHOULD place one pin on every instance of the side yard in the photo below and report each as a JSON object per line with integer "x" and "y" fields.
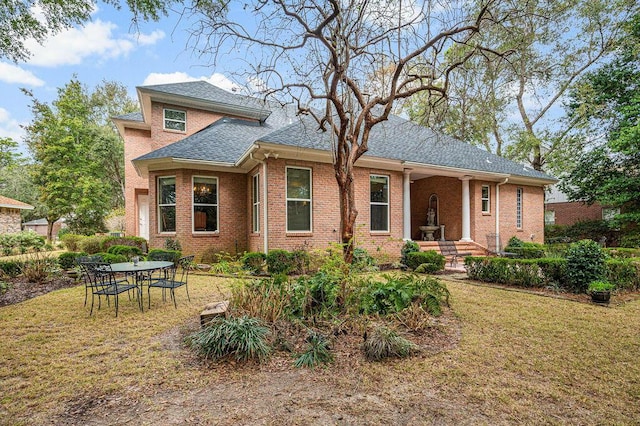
{"x": 511, "y": 358}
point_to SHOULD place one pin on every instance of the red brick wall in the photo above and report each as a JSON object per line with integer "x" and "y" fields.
{"x": 326, "y": 210}
{"x": 569, "y": 213}
{"x": 532, "y": 214}
{"x": 232, "y": 213}
{"x": 139, "y": 142}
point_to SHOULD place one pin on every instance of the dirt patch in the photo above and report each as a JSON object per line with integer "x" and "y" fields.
{"x": 275, "y": 392}
{"x": 18, "y": 290}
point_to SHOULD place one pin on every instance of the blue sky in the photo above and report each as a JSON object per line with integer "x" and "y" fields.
{"x": 107, "y": 48}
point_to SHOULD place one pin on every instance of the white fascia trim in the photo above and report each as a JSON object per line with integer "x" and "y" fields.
{"x": 13, "y": 206}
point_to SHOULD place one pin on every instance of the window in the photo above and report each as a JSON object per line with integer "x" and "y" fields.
{"x": 175, "y": 120}
{"x": 610, "y": 213}
{"x": 379, "y": 200}
{"x": 255, "y": 202}
{"x": 167, "y": 204}
{"x": 298, "y": 199}
{"x": 486, "y": 199}
{"x": 519, "y": 208}
{"x": 550, "y": 217}
{"x": 205, "y": 204}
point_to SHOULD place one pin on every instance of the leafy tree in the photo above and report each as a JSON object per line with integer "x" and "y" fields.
{"x": 21, "y": 20}
{"x": 606, "y": 103}
{"x": 509, "y": 103}
{"x": 319, "y": 54}
{"x": 78, "y": 156}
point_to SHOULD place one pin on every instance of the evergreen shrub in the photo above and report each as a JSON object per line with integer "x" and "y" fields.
{"x": 431, "y": 257}
{"x": 585, "y": 263}
{"x": 253, "y": 262}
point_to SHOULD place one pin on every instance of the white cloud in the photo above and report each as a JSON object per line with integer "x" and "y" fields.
{"x": 10, "y": 127}
{"x": 148, "y": 39}
{"x": 13, "y": 74}
{"x": 216, "y": 79}
{"x": 95, "y": 39}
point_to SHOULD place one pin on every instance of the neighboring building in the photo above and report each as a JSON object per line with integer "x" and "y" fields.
{"x": 215, "y": 169}
{"x": 10, "y": 219}
{"x": 560, "y": 211}
{"x": 40, "y": 227}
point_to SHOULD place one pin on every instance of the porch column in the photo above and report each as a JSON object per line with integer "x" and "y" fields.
{"x": 466, "y": 209}
{"x": 406, "y": 205}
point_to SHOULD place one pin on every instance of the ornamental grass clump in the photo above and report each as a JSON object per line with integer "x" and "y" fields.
{"x": 318, "y": 351}
{"x": 243, "y": 338}
{"x": 384, "y": 342}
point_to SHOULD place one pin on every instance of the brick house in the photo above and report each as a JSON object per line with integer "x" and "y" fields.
{"x": 214, "y": 169}
{"x": 560, "y": 211}
{"x": 10, "y": 219}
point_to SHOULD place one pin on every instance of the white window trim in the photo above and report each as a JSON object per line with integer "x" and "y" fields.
{"x": 164, "y": 120}
{"x": 159, "y": 210}
{"x": 380, "y": 204}
{"x": 193, "y": 205}
{"x": 255, "y": 203}
{"x": 519, "y": 207}
{"x": 287, "y": 199}
{"x": 488, "y": 199}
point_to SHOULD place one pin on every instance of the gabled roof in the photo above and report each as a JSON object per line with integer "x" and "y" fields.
{"x": 224, "y": 141}
{"x": 14, "y": 204}
{"x": 228, "y": 141}
{"x": 203, "y": 95}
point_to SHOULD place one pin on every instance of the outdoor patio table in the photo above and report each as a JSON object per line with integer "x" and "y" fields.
{"x": 140, "y": 270}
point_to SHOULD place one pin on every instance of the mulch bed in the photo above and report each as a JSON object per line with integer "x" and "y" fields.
{"x": 19, "y": 289}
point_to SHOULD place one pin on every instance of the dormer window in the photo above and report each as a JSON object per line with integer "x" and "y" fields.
{"x": 175, "y": 120}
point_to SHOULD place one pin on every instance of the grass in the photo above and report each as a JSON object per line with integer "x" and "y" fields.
{"x": 522, "y": 359}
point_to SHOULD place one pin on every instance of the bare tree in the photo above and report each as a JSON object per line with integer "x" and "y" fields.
{"x": 319, "y": 54}
{"x": 511, "y": 103}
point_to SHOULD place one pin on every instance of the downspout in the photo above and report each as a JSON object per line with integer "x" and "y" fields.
{"x": 265, "y": 210}
{"x": 498, "y": 212}
{"x": 265, "y": 241}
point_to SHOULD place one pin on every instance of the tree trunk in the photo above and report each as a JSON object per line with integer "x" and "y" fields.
{"x": 348, "y": 212}
{"x": 50, "y": 231}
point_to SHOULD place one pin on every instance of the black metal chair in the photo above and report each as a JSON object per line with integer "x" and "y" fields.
{"x": 102, "y": 281}
{"x": 170, "y": 280}
{"x": 84, "y": 274}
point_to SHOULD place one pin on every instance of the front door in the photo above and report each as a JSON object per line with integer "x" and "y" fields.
{"x": 143, "y": 216}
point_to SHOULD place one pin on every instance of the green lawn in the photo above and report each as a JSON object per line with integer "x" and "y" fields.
{"x": 521, "y": 359}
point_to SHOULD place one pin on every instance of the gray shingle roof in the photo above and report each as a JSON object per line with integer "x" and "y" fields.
{"x": 223, "y": 141}
{"x": 403, "y": 140}
{"x": 203, "y": 91}
{"x": 132, "y": 116}
{"x": 228, "y": 139}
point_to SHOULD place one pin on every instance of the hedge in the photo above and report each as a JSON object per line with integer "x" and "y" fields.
{"x": 625, "y": 274}
{"x": 431, "y": 257}
{"x": 520, "y": 272}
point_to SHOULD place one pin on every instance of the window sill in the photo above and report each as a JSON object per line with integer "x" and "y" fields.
{"x": 205, "y": 233}
{"x": 379, "y": 233}
{"x": 486, "y": 213}
{"x": 180, "y": 132}
{"x": 299, "y": 234}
